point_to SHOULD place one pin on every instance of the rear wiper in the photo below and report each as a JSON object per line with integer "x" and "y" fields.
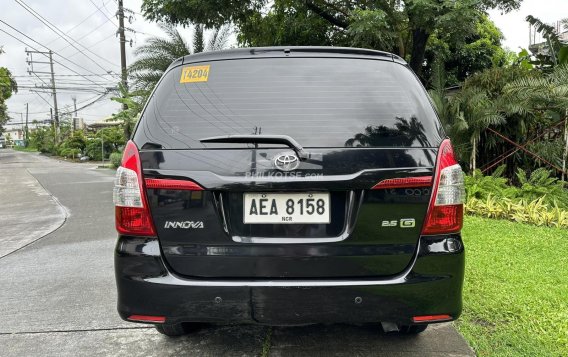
{"x": 260, "y": 139}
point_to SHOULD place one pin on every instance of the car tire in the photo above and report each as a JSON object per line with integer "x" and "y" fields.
{"x": 172, "y": 330}
{"x": 411, "y": 329}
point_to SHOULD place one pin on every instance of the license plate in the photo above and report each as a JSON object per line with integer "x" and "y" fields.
{"x": 291, "y": 208}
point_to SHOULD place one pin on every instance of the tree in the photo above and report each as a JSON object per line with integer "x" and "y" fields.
{"x": 546, "y": 94}
{"x": 156, "y": 54}
{"x": 400, "y": 26}
{"x": 479, "y": 50}
{"x": 556, "y": 50}
{"x": 8, "y": 86}
{"x": 483, "y": 103}
{"x": 43, "y": 138}
{"x": 134, "y": 102}
{"x": 474, "y": 107}
{"x": 112, "y": 137}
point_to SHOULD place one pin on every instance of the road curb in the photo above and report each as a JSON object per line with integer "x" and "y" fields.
{"x": 19, "y": 225}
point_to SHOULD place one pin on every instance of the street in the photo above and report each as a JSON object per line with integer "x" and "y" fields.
{"x": 58, "y": 295}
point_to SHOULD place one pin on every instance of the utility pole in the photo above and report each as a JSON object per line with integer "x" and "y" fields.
{"x": 23, "y": 127}
{"x": 31, "y": 70}
{"x": 75, "y": 106}
{"x": 26, "y": 142}
{"x": 53, "y": 91}
{"x": 52, "y": 122}
{"x": 122, "y": 47}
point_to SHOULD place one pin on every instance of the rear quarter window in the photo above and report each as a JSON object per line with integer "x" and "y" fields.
{"x": 320, "y": 102}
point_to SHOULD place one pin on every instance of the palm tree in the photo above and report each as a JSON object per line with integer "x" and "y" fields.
{"x": 475, "y": 111}
{"x": 465, "y": 115}
{"x": 548, "y": 92}
{"x": 557, "y": 49}
{"x": 156, "y": 54}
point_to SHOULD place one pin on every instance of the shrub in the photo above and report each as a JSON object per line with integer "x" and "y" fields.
{"x": 534, "y": 212}
{"x": 480, "y": 187}
{"x": 539, "y": 184}
{"x": 43, "y": 139}
{"x": 115, "y": 159}
{"x": 76, "y": 141}
{"x": 69, "y": 152}
{"x": 93, "y": 149}
{"x": 541, "y": 199}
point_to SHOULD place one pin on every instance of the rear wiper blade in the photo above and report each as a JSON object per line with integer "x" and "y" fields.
{"x": 260, "y": 139}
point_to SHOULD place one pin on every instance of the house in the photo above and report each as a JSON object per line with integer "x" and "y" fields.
{"x": 103, "y": 123}
{"x": 539, "y": 45}
{"x": 14, "y": 137}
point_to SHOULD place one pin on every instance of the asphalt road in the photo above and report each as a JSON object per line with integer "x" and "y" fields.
{"x": 57, "y": 291}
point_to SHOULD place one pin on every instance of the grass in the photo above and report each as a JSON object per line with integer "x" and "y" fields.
{"x": 21, "y": 148}
{"x": 266, "y": 344}
{"x": 516, "y": 289}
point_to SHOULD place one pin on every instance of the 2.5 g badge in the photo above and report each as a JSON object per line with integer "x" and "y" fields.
{"x": 407, "y": 223}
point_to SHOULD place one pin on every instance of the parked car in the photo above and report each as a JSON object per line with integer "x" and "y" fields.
{"x": 289, "y": 186}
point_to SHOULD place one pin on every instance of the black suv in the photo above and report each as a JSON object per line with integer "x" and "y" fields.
{"x": 287, "y": 186}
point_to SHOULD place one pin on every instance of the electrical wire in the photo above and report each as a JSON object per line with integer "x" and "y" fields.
{"x": 61, "y": 34}
{"x": 35, "y": 49}
{"x": 102, "y": 12}
{"x": 80, "y": 23}
{"x": 94, "y": 44}
{"x": 97, "y": 99}
{"x": 74, "y": 75}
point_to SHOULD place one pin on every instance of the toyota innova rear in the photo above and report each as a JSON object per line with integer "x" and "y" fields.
{"x": 288, "y": 186}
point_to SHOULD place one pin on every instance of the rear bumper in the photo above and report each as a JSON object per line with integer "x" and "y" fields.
{"x": 431, "y": 285}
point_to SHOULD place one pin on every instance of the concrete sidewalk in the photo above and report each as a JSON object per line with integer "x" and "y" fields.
{"x": 27, "y": 211}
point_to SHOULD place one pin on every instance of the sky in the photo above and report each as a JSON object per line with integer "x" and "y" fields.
{"x": 96, "y": 56}
{"x": 516, "y": 29}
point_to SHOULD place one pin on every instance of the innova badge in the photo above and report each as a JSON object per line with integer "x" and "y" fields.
{"x": 286, "y": 161}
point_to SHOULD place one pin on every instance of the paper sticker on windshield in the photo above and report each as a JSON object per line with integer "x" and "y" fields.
{"x": 194, "y": 74}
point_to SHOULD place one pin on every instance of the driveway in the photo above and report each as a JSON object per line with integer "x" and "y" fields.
{"x": 57, "y": 295}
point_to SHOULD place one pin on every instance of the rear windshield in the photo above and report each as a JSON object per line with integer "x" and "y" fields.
{"x": 320, "y": 102}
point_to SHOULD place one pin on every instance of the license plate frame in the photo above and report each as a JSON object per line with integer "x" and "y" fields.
{"x": 301, "y": 211}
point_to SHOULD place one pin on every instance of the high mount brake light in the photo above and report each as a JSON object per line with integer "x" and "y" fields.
{"x": 445, "y": 211}
{"x": 132, "y": 214}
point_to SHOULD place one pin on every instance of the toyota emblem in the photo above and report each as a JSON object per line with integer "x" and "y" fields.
{"x": 286, "y": 161}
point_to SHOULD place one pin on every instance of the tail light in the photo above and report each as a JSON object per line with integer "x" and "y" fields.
{"x": 445, "y": 211}
{"x": 132, "y": 214}
{"x": 406, "y": 182}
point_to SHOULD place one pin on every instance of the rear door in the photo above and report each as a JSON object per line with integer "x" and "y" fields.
{"x": 261, "y": 214}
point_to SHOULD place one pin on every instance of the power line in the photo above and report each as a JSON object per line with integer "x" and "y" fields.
{"x": 66, "y": 89}
{"x": 28, "y": 45}
{"x": 61, "y": 34}
{"x": 80, "y": 23}
{"x": 102, "y": 12}
{"x": 75, "y": 75}
{"x": 94, "y": 44}
{"x": 42, "y": 98}
{"x": 96, "y": 98}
